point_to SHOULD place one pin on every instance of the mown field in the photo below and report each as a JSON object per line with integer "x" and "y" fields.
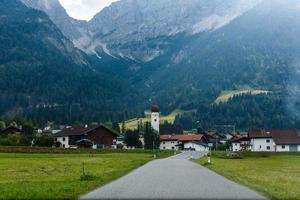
{"x": 274, "y": 175}
{"x": 58, "y": 175}
{"x": 226, "y": 95}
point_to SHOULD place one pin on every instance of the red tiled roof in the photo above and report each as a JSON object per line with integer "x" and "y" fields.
{"x": 280, "y": 136}
{"x": 154, "y": 108}
{"x": 238, "y": 138}
{"x": 182, "y": 138}
{"x": 259, "y": 133}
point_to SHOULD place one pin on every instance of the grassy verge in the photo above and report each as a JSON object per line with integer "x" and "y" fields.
{"x": 274, "y": 175}
{"x": 58, "y": 175}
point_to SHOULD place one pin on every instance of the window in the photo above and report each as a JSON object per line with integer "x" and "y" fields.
{"x": 64, "y": 146}
{"x": 155, "y": 120}
{"x": 283, "y": 146}
{"x": 173, "y": 148}
{"x": 164, "y": 143}
{"x": 260, "y": 146}
{"x": 268, "y": 147}
{"x": 64, "y": 139}
{"x": 268, "y": 141}
{"x": 164, "y": 148}
{"x": 235, "y": 144}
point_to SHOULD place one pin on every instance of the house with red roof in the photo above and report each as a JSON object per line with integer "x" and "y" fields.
{"x": 240, "y": 143}
{"x": 195, "y": 142}
{"x": 274, "y": 140}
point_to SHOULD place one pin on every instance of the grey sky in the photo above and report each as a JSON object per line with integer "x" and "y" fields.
{"x": 84, "y": 9}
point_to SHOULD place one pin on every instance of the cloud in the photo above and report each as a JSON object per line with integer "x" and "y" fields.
{"x": 84, "y": 9}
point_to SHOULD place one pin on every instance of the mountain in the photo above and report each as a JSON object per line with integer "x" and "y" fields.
{"x": 44, "y": 77}
{"x": 58, "y": 15}
{"x": 180, "y": 54}
{"x": 139, "y": 29}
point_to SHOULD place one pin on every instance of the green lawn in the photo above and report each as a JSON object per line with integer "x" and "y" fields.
{"x": 57, "y": 176}
{"x": 276, "y": 176}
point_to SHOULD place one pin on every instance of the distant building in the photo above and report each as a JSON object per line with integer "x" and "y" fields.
{"x": 213, "y": 138}
{"x": 184, "y": 142}
{"x": 10, "y": 130}
{"x": 274, "y": 140}
{"x": 155, "y": 118}
{"x": 240, "y": 143}
{"x": 101, "y": 136}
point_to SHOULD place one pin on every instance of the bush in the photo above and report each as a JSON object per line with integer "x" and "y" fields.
{"x": 44, "y": 141}
{"x": 11, "y": 140}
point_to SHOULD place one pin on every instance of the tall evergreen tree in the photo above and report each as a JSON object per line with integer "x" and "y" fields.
{"x": 151, "y": 137}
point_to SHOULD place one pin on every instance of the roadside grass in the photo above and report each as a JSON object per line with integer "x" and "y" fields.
{"x": 276, "y": 175}
{"x": 132, "y": 124}
{"x": 226, "y": 95}
{"x": 58, "y": 176}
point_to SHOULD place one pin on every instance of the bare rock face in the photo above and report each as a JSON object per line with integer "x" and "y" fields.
{"x": 69, "y": 26}
{"x": 137, "y": 29}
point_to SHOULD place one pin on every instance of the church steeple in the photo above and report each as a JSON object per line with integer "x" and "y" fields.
{"x": 155, "y": 118}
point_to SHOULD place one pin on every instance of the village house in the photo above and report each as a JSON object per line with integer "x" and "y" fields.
{"x": 100, "y": 136}
{"x": 240, "y": 143}
{"x": 10, "y": 130}
{"x": 213, "y": 138}
{"x": 274, "y": 140}
{"x": 196, "y": 142}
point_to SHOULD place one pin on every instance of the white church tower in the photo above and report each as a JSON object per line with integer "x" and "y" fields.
{"x": 155, "y": 118}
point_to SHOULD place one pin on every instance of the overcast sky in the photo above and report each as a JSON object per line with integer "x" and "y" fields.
{"x": 84, "y": 9}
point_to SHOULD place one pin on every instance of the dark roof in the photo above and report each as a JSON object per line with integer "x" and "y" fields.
{"x": 154, "y": 108}
{"x": 11, "y": 129}
{"x": 81, "y": 130}
{"x": 280, "y": 136}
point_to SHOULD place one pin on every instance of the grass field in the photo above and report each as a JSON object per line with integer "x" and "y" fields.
{"x": 226, "y": 95}
{"x": 276, "y": 176}
{"x": 133, "y": 123}
{"x": 58, "y": 176}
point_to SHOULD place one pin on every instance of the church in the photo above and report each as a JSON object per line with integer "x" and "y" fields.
{"x": 155, "y": 118}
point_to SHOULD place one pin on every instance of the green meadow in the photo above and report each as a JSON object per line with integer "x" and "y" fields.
{"x": 276, "y": 176}
{"x": 59, "y": 176}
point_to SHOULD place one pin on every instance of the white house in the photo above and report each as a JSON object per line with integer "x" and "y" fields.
{"x": 64, "y": 140}
{"x": 196, "y": 142}
{"x": 197, "y": 146}
{"x": 274, "y": 140}
{"x": 240, "y": 143}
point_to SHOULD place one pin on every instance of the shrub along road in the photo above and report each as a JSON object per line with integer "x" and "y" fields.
{"x": 173, "y": 178}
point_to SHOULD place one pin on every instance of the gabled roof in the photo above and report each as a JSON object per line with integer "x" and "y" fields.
{"x": 182, "y": 138}
{"x": 280, "y": 136}
{"x": 10, "y": 129}
{"x": 259, "y": 133}
{"x": 239, "y": 138}
{"x": 81, "y": 130}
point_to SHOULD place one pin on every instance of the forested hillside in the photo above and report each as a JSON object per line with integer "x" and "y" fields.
{"x": 42, "y": 75}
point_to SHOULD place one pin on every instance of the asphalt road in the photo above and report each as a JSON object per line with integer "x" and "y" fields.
{"x": 173, "y": 178}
